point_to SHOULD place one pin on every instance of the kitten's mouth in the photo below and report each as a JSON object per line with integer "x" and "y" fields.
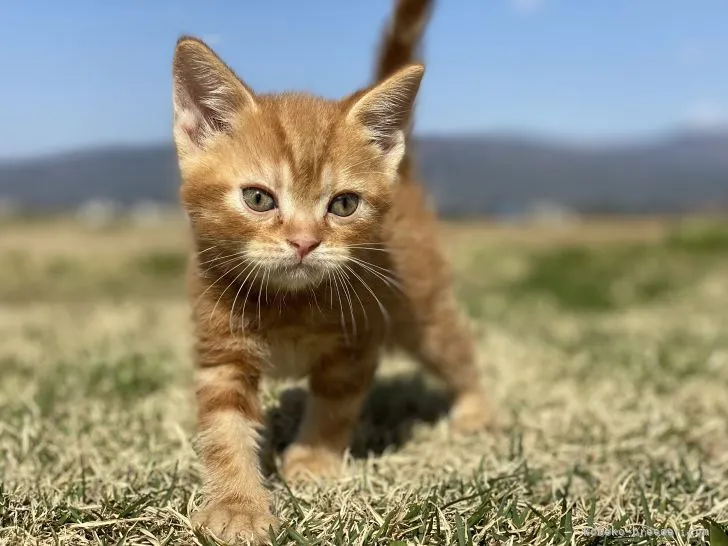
{"x": 300, "y": 266}
{"x": 298, "y": 275}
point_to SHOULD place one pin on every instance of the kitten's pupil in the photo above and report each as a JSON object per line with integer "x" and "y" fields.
{"x": 344, "y": 205}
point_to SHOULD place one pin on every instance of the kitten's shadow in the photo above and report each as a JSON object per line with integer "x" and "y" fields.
{"x": 393, "y": 407}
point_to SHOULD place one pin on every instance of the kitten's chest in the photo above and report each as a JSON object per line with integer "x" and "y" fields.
{"x": 292, "y": 354}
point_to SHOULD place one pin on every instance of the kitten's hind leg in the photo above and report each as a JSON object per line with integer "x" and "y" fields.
{"x": 439, "y": 338}
{"x": 338, "y": 385}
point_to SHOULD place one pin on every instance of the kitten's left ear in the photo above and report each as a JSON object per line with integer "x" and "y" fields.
{"x": 207, "y": 95}
{"x": 385, "y": 111}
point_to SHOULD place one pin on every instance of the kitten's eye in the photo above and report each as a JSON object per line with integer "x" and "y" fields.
{"x": 258, "y": 200}
{"x": 344, "y": 204}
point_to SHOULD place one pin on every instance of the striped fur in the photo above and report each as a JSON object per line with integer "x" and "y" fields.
{"x": 376, "y": 279}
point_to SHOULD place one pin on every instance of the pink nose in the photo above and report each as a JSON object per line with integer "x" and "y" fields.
{"x": 303, "y": 245}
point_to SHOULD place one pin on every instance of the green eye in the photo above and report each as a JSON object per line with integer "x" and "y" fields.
{"x": 344, "y": 204}
{"x": 258, "y": 200}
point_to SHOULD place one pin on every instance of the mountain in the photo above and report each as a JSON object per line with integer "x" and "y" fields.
{"x": 467, "y": 175}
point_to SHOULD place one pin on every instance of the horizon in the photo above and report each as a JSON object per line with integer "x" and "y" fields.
{"x": 100, "y": 75}
{"x": 554, "y": 141}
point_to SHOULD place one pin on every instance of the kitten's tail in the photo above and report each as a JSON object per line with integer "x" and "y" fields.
{"x": 402, "y": 36}
{"x": 399, "y": 47}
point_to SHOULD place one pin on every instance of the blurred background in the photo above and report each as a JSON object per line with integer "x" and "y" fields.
{"x": 546, "y": 107}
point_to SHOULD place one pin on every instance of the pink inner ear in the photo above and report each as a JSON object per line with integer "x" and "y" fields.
{"x": 188, "y": 127}
{"x": 189, "y": 123}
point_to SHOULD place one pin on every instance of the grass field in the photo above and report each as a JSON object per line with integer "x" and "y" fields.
{"x": 605, "y": 346}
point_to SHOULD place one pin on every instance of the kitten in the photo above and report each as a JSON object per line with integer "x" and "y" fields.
{"x": 315, "y": 249}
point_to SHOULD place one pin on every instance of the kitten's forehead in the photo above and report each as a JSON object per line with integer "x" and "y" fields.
{"x": 305, "y": 125}
{"x": 310, "y": 158}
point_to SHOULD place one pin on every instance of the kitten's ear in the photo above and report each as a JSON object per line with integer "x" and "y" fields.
{"x": 207, "y": 95}
{"x": 385, "y": 110}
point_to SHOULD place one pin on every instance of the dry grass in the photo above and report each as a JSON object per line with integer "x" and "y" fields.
{"x": 608, "y": 364}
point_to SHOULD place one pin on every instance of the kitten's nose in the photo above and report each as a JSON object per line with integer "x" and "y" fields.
{"x": 303, "y": 244}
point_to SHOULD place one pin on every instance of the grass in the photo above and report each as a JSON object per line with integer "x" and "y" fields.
{"x": 607, "y": 360}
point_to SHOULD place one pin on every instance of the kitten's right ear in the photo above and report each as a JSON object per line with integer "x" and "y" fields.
{"x": 207, "y": 95}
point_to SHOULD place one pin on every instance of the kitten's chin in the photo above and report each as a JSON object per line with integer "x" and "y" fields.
{"x": 298, "y": 277}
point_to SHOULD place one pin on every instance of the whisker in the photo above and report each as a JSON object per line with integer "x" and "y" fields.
{"x": 218, "y": 258}
{"x": 267, "y": 278}
{"x": 370, "y": 264}
{"x": 250, "y": 287}
{"x": 240, "y": 288}
{"x": 209, "y": 319}
{"x": 331, "y": 290}
{"x": 386, "y": 279}
{"x": 283, "y": 299}
{"x": 194, "y": 305}
{"x": 345, "y": 289}
{"x": 341, "y": 311}
{"x": 372, "y": 248}
{"x": 275, "y": 297}
{"x": 206, "y": 249}
{"x": 315, "y": 299}
{"x": 265, "y": 273}
{"x": 356, "y": 294}
{"x": 384, "y": 312}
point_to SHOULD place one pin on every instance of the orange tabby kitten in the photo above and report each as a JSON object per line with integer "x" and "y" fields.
{"x": 316, "y": 248}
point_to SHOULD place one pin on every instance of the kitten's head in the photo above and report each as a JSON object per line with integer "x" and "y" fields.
{"x": 287, "y": 186}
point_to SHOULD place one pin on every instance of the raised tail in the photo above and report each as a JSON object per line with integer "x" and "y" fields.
{"x": 402, "y": 36}
{"x": 399, "y": 47}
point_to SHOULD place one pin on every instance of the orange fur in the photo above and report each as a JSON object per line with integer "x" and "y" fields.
{"x": 263, "y": 304}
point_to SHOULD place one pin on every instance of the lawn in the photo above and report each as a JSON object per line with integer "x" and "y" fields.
{"x": 605, "y": 347}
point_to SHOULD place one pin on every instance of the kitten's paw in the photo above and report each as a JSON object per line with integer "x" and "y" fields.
{"x": 237, "y": 522}
{"x": 301, "y": 463}
{"x": 471, "y": 413}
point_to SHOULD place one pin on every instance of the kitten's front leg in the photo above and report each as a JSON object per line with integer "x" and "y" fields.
{"x": 338, "y": 384}
{"x": 237, "y": 504}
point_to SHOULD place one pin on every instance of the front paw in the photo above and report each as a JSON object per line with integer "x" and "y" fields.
{"x": 302, "y": 462}
{"x": 471, "y": 413}
{"x": 237, "y": 521}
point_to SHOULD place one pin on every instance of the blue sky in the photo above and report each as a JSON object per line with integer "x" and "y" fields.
{"x": 79, "y": 73}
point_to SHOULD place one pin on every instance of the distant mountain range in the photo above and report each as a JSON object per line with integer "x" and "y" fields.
{"x": 467, "y": 175}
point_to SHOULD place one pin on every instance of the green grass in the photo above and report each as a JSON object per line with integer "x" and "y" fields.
{"x": 607, "y": 366}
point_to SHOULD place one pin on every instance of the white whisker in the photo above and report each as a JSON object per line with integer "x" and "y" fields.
{"x": 242, "y": 284}
{"x": 260, "y": 292}
{"x": 375, "y": 249}
{"x": 345, "y": 289}
{"x": 234, "y": 256}
{"x": 341, "y": 311}
{"x": 315, "y": 299}
{"x": 385, "y": 314}
{"x": 386, "y": 279}
{"x": 223, "y": 293}
{"x": 194, "y": 305}
{"x": 206, "y": 249}
{"x": 267, "y": 278}
{"x": 250, "y": 287}
{"x": 356, "y": 294}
